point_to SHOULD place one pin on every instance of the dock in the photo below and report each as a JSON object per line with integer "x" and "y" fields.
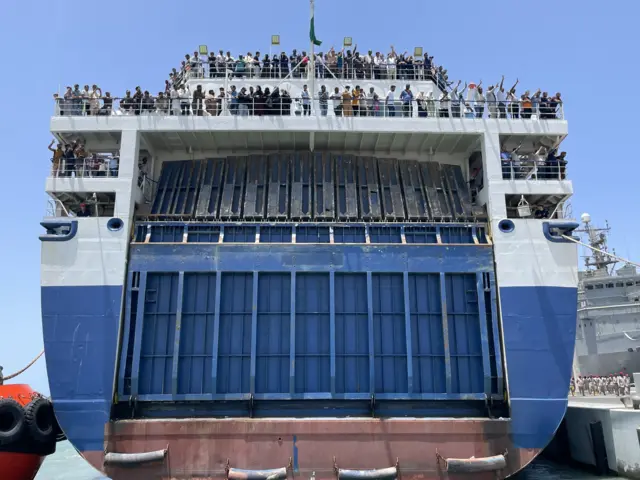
{"x": 602, "y": 433}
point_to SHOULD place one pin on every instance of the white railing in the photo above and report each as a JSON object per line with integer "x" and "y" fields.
{"x": 336, "y": 105}
{"x": 55, "y": 208}
{"x": 84, "y": 167}
{"x": 532, "y": 170}
{"x": 342, "y": 69}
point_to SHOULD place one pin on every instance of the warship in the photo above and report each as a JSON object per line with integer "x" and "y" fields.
{"x": 608, "y": 333}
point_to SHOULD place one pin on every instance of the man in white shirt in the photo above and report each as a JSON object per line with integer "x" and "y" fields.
{"x": 501, "y": 98}
{"x": 390, "y": 102}
{"x": 336, "y": 100}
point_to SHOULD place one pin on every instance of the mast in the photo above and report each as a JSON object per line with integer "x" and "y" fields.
{"x": 311, "y": 72}
{"x": 597, "y": 238}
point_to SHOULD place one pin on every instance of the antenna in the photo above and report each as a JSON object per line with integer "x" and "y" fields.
{"x": 597, "y": 261}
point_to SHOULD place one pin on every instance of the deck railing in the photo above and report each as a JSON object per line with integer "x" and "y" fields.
{"x": 288, "y": 106}
{"x": 84, "y": 167}
{"x": 534, "y": 170}
{"x": 342, "y": 71}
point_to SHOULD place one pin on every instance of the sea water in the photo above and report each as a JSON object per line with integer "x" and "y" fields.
{"x": 66, "y": 464}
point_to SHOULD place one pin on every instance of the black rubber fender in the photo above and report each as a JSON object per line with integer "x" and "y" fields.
{"x": 40, "y": 420}
{"x": 12, "y": 421}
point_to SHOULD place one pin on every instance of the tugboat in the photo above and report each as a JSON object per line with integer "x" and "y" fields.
{"x": 28, "y": 431}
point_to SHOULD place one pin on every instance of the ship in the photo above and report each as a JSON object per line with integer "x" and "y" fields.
{"x": 608, "y": 336}
{"x": 290, "y": 286}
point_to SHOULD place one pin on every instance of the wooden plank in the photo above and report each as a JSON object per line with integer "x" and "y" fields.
{"x": 256, "y": 188}
{"x": 233, "y": 190}
{"x": 413, "y": 189}
{"x": 323, "y": 196}
{"x": 278, "y": 178}
{"x": 369, "y": 189}
{"x": 392, "y": 195}
{"x": 347, "y": 200}
{"x": 301, "y": 187}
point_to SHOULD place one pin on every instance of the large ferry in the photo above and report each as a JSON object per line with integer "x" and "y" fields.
{"x": 261, "y": 284}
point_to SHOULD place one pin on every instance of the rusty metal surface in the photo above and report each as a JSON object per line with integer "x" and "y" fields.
{"x": 201, "y": 448}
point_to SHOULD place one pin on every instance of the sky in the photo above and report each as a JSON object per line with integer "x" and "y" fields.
{"x": 585, "y": 49}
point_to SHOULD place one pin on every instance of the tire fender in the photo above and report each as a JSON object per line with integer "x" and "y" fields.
{"x": 12, "y": 421}
{"x": 40, "y": 420}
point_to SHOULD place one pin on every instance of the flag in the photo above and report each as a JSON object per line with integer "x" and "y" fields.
{"x": 312, "y": 34}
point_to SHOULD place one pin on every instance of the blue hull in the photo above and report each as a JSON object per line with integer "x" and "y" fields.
{"x": 80, "y": 326}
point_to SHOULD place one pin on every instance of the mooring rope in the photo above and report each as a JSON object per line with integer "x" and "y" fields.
{"x": 620, "y": 259}
{"x": 13, "y": 375}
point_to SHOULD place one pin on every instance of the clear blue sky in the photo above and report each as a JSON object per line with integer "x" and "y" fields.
{"x": 585, "y": 49}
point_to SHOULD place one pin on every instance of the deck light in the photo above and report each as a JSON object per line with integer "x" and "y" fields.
{"x": 275, "y": 39}
{"x": 348, "y": 41}
{"x": 203, "y": 50}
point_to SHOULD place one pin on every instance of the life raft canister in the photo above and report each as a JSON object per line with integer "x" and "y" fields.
{"x": 12, "y": 421}
{"x": 40, "y": 420}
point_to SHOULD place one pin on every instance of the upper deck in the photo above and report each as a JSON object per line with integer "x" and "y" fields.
{"x": 417, "y": 100}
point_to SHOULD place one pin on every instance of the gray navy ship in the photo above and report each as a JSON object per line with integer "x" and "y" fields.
{"x": 608, "y": 333}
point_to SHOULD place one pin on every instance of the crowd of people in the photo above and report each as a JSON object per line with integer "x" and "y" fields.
{"x": 543, "y": 164}
{"x": 613, "y": 384}
{"x": 74, "y": 160}
{"x": 342, "y": 64}
{"x": 179, "y": 98}
{"x": 347, "y": 102}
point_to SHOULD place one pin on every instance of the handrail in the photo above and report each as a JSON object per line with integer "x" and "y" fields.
{"x": 335, "y": 104}
{"x": 85, "y": 167}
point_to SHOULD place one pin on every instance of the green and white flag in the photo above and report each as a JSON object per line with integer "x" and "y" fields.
{"x": 312, "y": 34}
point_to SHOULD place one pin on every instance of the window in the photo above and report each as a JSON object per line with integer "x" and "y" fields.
{"x": 589, "y": 287}
{"x": 609, "y": 285}
{"x": 599, "y": 286}
{"x": 619, "y": 284}
{"x": 81, "y": 204}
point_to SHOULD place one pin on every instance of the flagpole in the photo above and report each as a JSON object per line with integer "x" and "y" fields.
{"x": 312, "y": 60}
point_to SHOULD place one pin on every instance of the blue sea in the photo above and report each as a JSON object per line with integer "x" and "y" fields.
{"x": 66, "y": 464}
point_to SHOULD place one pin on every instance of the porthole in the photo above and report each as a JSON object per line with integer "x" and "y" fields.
{"x": 115, "y": 224}
{"x": 506, "y": 226}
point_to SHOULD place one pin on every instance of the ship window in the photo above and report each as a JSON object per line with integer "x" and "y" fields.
{"x": 589, "y": 287}
{"x": 70, "y": 204}
{"x": 637, "y": 282}
{"x": 599, "y": 286}
{"x": 609, "y": 285}
{"x": 629, "y": 284}
{"x": 619, "y": 284}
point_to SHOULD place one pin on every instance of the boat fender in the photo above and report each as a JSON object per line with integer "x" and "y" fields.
{"x": 476, "y": 465}
{"x": 134, "y": 459}
{"x": 11, "y": 421}
{"x": 382, "y": 473}
{"x": 241, "y": 474}
{"x": 40, "y": 420}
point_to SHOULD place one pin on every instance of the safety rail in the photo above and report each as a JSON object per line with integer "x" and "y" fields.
{"x": 336, "y": 104}
{"x": 531, "y": 170}
{"x": 542, "y": 212}
{"x": 382, "y": 69}
{"x": 101, "y": 167}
